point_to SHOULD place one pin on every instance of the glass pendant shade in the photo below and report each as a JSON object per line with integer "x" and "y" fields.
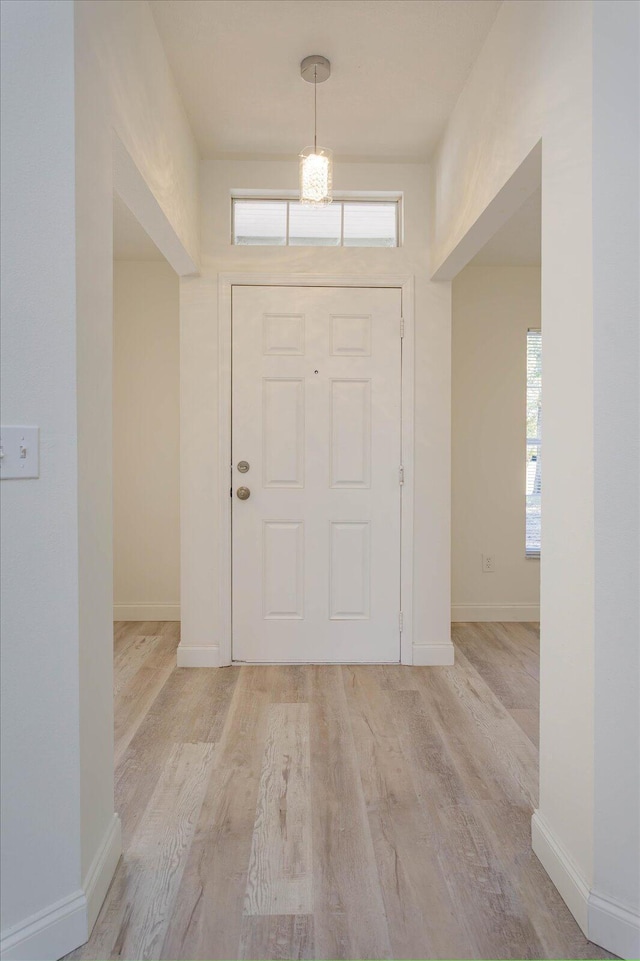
{"x": 316, "y": 175}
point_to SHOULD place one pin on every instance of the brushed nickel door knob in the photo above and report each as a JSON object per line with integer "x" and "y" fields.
{"x": 243, "y": 493}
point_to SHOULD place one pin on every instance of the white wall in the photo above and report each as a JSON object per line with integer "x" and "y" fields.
{"x": 120, "y": 52}
{"x": 123, "y": 86}
{"x": 492, "y": 309}
{"x": 534, "y": 81}
{"x": 200, "y": 494}
{"x": 40, "y": 711}
{"x": 616, "y": 256}
{"x": 59, "y": 131}
{"x": 146, "y": 441}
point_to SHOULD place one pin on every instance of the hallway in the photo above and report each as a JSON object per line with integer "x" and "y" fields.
{"x": 330, "y": 812}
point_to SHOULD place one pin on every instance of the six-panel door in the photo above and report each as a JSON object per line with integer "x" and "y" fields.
{"x": 317, "y": 417}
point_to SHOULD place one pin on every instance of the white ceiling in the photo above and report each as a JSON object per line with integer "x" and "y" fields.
{"x": 518, "y": 243}
{"x": 397, "y": 69}
{"x": 130, "y": 241}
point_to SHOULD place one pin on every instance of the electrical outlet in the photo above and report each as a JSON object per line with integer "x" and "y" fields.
{"x": 488, "y": 564}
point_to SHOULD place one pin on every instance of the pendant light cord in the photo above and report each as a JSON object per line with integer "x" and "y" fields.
{"x": 315, "y": 108}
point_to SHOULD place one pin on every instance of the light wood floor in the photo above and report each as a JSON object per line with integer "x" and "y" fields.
{"x": 330, "y": 812}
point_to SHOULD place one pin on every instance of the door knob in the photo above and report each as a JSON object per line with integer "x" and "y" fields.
{"x": 243, "y": 493}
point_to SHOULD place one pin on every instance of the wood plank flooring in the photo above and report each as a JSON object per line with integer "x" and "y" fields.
{"x": 330, "y": 812}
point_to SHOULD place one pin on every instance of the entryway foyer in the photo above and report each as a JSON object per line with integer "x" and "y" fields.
{"x": 480, "y": 159}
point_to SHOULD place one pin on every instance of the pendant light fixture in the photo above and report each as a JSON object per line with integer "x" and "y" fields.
{"x": 316, "y": 163}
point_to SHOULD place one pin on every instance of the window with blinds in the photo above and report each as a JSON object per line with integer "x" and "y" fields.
{"x": 534, "y": 442}
{"x": 288, "y": 223}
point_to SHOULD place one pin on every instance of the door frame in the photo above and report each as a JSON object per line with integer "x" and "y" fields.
{"x": 226, "y": 283}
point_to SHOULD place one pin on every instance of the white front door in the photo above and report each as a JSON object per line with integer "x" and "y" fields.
{"x": 317, "y": 422}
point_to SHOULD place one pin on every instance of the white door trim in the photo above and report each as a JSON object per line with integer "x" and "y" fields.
{"x": 226, "y": 281}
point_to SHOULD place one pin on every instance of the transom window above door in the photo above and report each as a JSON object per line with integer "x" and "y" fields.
{"x": 288, "y": 223}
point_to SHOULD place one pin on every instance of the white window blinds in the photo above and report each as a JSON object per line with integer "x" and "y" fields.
{"x": 534, "y": 442}
{"x": 287, "y": 223}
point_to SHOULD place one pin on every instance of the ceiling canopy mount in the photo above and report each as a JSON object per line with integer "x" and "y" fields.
{"x": 315, "y": 69}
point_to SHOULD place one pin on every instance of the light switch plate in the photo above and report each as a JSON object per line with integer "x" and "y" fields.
{"x": 19, "y": 452}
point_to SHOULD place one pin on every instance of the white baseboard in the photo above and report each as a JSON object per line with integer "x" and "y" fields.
{"x": 614, "y": 926}
{"x": 560, "y": 867}
{"x": 198, "y": 656}
{"x": 51, "y": 933}
{"x": 433, "y": 655}
{"x": 608, "y": 923}
{"x": 146, "y": 612}
{"x": 495, "y": 612}
{"x": 63, "y": 926}
{"x": 100, "y": 874}
{"x": 424, "y": 655}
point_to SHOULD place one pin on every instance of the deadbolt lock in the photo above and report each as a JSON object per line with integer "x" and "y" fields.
{"x": 243, "y": 466}
{"x": 243, "y": 493}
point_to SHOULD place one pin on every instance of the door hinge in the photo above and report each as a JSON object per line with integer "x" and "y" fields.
{"x": 402, "y": 326}
{"x": 401, "y": 621}
{"x": 401, "y": 475}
